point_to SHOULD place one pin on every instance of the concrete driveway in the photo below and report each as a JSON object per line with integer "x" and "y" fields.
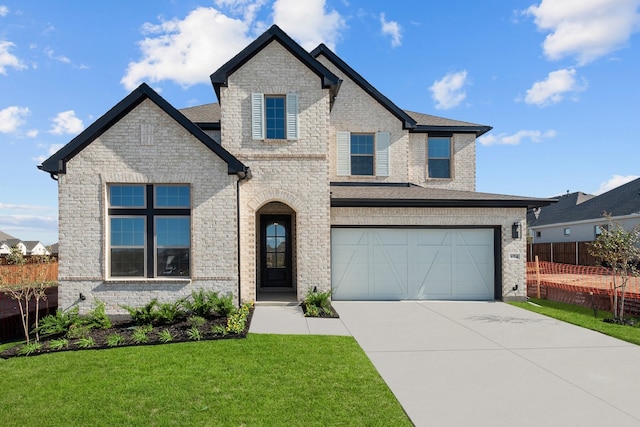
{"x": 492, "y": 364}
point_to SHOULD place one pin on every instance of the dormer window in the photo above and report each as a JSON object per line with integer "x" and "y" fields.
{"x": 274, "y": 117}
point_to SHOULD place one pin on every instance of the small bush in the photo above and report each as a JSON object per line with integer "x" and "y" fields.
{"x": 27, "y": 349}
{"x": 59, "y": 323}
{"x": 201, "y": 303}
{"x": 97, "y": 318}
{"x": 165, "y": 336}
{"x": 168, "y": 313}
{"x": 197, "y": 321}
{"x": 316, "y": 303}
{"x": 59, "y": 344}
{"x": 140, "y": 335}
{"x": 237, "y": 321}
{"x": 224, "y": 305}
{"x": 115, "y": 340}
{"x": 194, "y": 333}
{"x": 86, "y": 342}
{"x": 143, "y": 315}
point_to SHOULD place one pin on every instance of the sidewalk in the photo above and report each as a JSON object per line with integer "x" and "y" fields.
{"x": 289, "y": 319}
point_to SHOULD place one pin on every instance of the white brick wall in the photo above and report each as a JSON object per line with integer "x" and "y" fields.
{"x": 118, "y": 156}
{"x": 294, "y": 173}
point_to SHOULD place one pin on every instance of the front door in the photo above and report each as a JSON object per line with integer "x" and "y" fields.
{"x": 275, "y": 259}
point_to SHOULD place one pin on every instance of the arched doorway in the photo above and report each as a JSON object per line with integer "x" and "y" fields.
{"x": 275, "y": 248}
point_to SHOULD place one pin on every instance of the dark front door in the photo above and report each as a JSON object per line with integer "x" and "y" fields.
{"x": 275, "y": 260}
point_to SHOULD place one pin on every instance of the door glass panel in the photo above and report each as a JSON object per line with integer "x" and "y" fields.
{"x": 276, "y": 237}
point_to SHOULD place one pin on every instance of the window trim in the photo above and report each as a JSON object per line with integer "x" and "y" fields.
{"x": 450, "y": 158}
{"x": 259, "y": 117}
{"x": 381, "y": 154}
{"x": 149, "y": 212}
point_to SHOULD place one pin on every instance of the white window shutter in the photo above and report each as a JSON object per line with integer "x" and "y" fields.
{"x": 257, "y": 116}
{"x": 382, "y": 153}
{"x": 292, "y": 115}
{"x": 343, "y": 152}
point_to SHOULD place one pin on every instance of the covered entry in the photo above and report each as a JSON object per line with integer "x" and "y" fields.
{"x": 413, "y": 264}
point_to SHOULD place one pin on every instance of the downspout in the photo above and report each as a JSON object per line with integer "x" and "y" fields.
{"x": 242, "y": 175}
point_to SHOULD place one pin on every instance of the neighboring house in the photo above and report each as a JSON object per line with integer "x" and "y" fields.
{"x": 579, "y": 217}
{"x": 302, "y": 176}
{"x": 32, "y": 247}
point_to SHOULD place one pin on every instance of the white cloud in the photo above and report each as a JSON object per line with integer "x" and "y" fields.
{"x": 187, "y": 51}
{"x": 615, "y": 181}
{"x": 11, "y": 118}
{"x": 33, "y": 133}
{"x": 584, "y": 29}
{"x": 247, "y": 8}
{"x": 4, "y": 10}
{"x": 517, "y": 138}
{"x": 308, "y": 22}
{"x": 448, "y": 92}
{"x": 53, "y": 148}
{"x": 553, "y": 90}
{"x": 7, "y": 59}
{"x": 50, "y": 53}
{"x": 66, "y": 122}
{"x": 391, "y": 28}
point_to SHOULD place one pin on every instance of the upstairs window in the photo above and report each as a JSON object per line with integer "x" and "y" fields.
{"x": 363, "y": 154}
{"x": 274, "y": 116}
{"x": 439, "y": 157}
{"x": 149, "y": 230}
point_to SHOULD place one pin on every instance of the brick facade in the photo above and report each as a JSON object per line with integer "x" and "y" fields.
{"x": 289, "y": 177}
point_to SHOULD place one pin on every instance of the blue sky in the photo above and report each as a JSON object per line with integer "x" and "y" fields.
{"x": 557, "y": 79}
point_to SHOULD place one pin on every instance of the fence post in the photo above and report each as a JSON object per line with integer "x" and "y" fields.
{"x": 538, "y": 276}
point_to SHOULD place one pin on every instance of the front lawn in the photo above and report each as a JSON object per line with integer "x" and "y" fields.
{"x": 261, "y": 380}
{"x": 583, "y": 316}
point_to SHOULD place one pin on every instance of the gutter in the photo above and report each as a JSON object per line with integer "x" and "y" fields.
{"x": 242, "y": 175}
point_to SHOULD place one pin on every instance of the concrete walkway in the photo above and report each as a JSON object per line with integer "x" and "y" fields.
{"x": 483, "y": 364}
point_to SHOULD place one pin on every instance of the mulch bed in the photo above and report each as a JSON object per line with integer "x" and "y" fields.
{"x": 126, "y": 329}
{"x": 323, "y": 314}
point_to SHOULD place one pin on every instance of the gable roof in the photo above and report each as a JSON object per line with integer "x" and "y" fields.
{"x": 4, "y": 236}
{"x": 434, "y": 125}
{"x": 351, "y": 194}
{"x": 620, "y": 201}
{"x": 274, "y": 33}
{"x": 558, "y": 211}
{"x": 407, "y": 121}
{"x": 56, "y": 164}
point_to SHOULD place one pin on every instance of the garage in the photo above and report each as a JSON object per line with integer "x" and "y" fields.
{"x": 413, "y": 264}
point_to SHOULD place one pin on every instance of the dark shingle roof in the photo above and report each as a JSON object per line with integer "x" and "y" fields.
{"x": 409, "y": 195}
{"x": 4, "y": 236}
{"x": 620, "y": 201}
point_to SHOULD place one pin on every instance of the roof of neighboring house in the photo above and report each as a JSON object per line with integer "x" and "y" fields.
{"x": 620, "y": 201}
{"x": 274, "y": 33}
{"x": 12, "y": 242}
{"x": 56, "y": 164}
{"x": 53, "y": 248}
{"x": 4, "y": 236}
{"x": 410, "y": 195}
{"x": 31, "y": 244}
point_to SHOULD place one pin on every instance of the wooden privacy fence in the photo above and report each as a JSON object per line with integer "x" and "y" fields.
{"x": 28, "y": 273}
{"x": 576, "y": 253}
{"x": 580, "y": 285}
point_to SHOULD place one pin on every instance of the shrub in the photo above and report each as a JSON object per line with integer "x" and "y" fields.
{"x": 167, "y": 313}
{"x": 97, "y": 318}
{"x": 30, "y": 348}
{"x": 224, "y": 305}
{"x": 202, "y": 302}
{"x": 142, "y": 315}
{"x": 316, "y": 303}
{"x": 197, "y": 321}
{"x": 115, "y": 340}
{"x": 165, "y": 336}
{"x": 194, "y": 333}
{"x": 59, "y": 344}
{"x": 59, "y": 323}
{"x": 237, "y": 321}
{"x": 86, "y": 342}
{"x": 141, "y": 334}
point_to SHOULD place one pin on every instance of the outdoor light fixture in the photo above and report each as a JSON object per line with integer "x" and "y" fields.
{"x": 82, "y": 297}
{"x": 515, "y": 230}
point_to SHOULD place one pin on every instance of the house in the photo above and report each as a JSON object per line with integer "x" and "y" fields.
{"x": 302, "y": 175}
{"x": 579, "y": 217}
{"x": 29, "y": 247}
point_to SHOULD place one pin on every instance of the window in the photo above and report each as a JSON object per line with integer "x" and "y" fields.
{"x": 538, "y": 234}
{"x": 363, "y": 154}
{"x": 274, "y": 116}
{"x": 149, "y": 230}
{"x": 598, "y": 229}
{"x": 439, "y": 157}
{"x": 567, "y": 231}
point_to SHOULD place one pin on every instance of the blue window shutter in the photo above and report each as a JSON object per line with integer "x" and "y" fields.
{"x": 292, "y": 116}
{"x": 382, "y": 153}
{"x": 257, "y": 116}
{"x": 343, "y": 154}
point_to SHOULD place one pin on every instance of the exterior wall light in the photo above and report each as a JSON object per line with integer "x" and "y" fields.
{"x": 515, "y": 230}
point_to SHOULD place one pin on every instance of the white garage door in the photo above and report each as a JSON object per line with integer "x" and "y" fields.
{"x": 413, "y": 264}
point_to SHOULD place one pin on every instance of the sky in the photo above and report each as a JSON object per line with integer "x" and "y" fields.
{"x": 558, "y": 80}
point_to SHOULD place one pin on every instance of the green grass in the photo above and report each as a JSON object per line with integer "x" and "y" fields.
{"x": 583, "y": 316}
{"x": 261, "y": 380}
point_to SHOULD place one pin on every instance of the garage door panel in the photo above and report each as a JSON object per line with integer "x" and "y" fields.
{"x": 375, "y": 264}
